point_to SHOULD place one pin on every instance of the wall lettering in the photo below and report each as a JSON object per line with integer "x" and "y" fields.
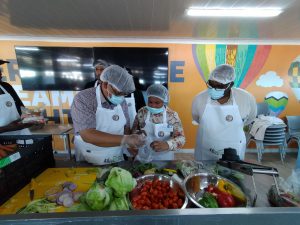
{"x": 175, "y": 71}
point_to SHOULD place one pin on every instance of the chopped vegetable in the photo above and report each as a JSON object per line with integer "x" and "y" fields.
{"x": 38, "y": 206}
{"x": 150, "y": 171}
{"x": 208, "y": 201}
{"x": 121, "y": 181}
{"x": 138, "y": 170}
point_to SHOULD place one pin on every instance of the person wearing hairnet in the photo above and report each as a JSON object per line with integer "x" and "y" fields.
{"x": 99, "y": 67}
{"x": 10, "y": 110}
{"x": 160, "y": 124}
{"x": 101, "y": 121}
{"x": 222, "y": 111}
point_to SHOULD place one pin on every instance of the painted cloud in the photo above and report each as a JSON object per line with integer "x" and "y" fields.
{"x": 270, "y": 79}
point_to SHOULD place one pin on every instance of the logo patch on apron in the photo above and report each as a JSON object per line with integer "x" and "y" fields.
{"x": 115, "y": 117}
{"x": 161, "y": 133}
{"x": 129, "y": 104}
{"x": 229, "y": 118}
{"x": 8, "y": 103}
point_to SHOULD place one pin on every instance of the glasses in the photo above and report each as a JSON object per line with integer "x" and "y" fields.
{"x": 115, "y": 92}
{"x": 218, "y": 87}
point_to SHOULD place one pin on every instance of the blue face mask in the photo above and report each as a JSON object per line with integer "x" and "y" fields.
{"x": 116, "y": 100}
{"x": 216, "y": 93}
{"x": 155, "y": 110}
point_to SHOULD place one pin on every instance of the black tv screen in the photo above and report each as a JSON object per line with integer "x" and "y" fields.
{"x": 70, "y": 68}
{"x": 147, "y": 65}
{"x": 54, "y": 68}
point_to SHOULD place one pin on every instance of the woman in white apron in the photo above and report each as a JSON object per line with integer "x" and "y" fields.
{"x": 160, "y": 124}
{"x": 116, "y": 83}
{"x": 9, "y": 116}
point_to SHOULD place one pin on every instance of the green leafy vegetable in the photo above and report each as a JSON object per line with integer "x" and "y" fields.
{"x": 38, "y": 206}
{"x": 119, "y": 204}
{"x": 121, "y": 181}
{"x": 208, "y": 201}
{"x": 98, "y": 197}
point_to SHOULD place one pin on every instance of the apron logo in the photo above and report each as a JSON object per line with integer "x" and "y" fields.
{"x": 8, "y": 103}
{"x": 129, "y": 104}
{"x": 161, "y": 134}
{"x": 229, "y": 118}
{"x": 115, "y": 117}
{"x": 215, "y": 152}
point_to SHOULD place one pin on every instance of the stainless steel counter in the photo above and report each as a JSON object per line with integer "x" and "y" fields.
{"x": 260, "y": 215}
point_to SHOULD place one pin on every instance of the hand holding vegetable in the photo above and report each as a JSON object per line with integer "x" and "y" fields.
{"x": 159, "y": 146}
{"x": 133, "y": 140}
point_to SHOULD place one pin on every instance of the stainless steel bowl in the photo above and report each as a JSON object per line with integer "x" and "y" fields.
{"x": 142, "y": 179}
{"x": 195, "y": 184}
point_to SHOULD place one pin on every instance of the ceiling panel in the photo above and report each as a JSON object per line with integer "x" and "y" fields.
{"x": 143, "y": 19}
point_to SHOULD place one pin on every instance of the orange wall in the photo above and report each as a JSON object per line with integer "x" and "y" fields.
{"x": 279, "y": 60}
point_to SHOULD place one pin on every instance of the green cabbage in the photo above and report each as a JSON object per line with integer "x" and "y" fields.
{"x": 121, "y": 181}
{"x": 119, "y": 204}
{"x": 98, "y": 197}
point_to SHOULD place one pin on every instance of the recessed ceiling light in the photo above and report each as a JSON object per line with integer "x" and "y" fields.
{"x": 233, "y": 12}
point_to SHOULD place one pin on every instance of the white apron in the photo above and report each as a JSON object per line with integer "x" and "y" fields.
{"x": 131, "y": 109}
{"x": 9, "y": 113}
{"x": 159, "y": 132}
{"x": 221, "y": 127}
{"x": 111, "y": 121}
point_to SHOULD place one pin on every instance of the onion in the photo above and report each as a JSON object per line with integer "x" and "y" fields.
{"x": 63, "y": 195}
{"x": 69, "y": 185}
{"x": 68, "y": 202}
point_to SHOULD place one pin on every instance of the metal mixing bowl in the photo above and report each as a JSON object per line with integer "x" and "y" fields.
{"x": 142, "y": 179}
{"x": 195, "y": 184}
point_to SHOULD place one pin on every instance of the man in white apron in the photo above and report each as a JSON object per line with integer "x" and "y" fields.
{"x": 160, "y": 124}
{"x": 10, "y": 110}
{"x": 100, "y": 116}
{"x": 99, "y": 67}
{"x": 222, "y": 112}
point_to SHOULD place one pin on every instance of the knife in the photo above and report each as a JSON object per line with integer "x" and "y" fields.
{"x": 31, "y": 190}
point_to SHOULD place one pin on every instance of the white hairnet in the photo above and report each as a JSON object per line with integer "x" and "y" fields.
{"x": 158, "y": 91}
{"x": 119, "y": 78}
{"x": 101, "y": 62}
{"x": 223, "y": 74}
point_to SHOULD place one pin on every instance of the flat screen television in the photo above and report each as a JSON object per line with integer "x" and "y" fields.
{"x": 70, "y": 68}
{"x": 147, "y": 65}
{"x": 54, "y": 68}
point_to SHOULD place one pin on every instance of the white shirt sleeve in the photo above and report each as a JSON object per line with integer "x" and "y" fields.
{"x": 198, "y": 106}
{"x": 246, "y": 103}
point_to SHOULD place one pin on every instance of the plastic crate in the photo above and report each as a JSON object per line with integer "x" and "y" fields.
{"x": 32, "y": 157}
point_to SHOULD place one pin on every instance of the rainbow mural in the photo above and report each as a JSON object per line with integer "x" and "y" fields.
{"x": 246, "y": 59}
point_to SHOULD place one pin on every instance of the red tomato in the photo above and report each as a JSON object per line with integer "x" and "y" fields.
{"x": 225, "y": 200}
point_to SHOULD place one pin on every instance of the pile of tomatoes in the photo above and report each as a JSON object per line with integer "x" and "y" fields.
{"x": 157, "y": 194}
